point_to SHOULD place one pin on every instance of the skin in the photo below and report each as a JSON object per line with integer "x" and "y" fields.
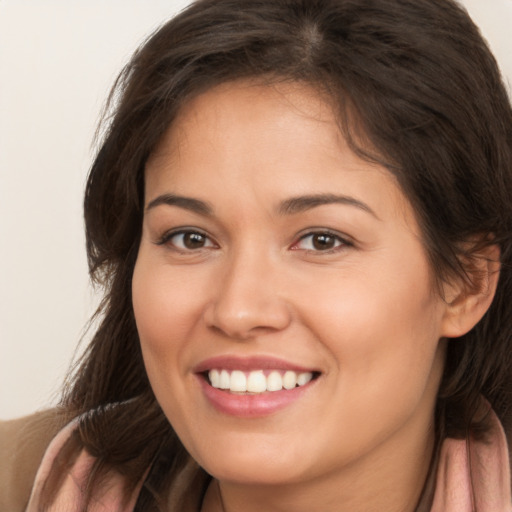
{"x": 364, "y": 313}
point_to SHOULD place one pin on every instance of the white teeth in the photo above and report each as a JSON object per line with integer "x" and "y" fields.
{"x": 289, "y": 380}
{"x": 304, "y": 378}
{"x": 225, "y": 380}
{"x": 274, "y": 381}
{"x": 215, "y": 378}
{"x": 256, "y": 382}
{"x": 238, "y": 381}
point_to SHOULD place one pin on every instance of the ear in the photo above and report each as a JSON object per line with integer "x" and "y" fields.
{"x": 467, "y": 303}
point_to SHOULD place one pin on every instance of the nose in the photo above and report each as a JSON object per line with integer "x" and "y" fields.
{"x": 247, "y": 302}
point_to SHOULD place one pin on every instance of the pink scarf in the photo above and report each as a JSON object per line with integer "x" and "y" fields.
{"x": 473, "y": 476}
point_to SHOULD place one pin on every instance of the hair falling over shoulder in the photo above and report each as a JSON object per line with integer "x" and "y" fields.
{"x": 414, "y": 87}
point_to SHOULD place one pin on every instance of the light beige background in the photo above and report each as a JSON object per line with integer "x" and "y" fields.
{"x": 58, "y": 59}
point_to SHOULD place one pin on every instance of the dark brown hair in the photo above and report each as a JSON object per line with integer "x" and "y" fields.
{"x": 414, "y": 87}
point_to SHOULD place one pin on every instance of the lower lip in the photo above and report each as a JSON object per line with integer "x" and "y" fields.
{"x": 252, "y": 406}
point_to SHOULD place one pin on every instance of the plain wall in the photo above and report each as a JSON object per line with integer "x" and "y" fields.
{"x": 58, "y": 59}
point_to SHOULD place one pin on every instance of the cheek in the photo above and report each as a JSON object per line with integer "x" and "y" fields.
{"x": 165, "y": 304}
{"x": 163, "y": 311}
{"x": 381, "y": 326}
{"x": 388, "y": 361}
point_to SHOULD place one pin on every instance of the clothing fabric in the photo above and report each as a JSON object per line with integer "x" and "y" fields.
{"x": 70, "y": 496}
{"x": 471, "y": 476}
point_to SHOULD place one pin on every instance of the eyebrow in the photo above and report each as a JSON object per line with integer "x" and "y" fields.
{"x": 188, "y": 203}
{"x": 290, "y": 206}
{"x": 303, "y": 203}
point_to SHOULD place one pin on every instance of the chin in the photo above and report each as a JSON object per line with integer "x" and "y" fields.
{"x": 251, "y": 472}
{"x": 253, "y": 464}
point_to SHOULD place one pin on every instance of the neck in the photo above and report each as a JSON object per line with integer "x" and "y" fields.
{"x": 391, "y": 482}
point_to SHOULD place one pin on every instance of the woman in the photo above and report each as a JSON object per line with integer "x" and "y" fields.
{"x": 301, "y": 216}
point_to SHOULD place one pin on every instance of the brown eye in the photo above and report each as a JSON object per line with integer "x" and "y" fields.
{"x": 321, "y": 242}
{"x": 194, "y": 240}
{"x": 188, "y": 240}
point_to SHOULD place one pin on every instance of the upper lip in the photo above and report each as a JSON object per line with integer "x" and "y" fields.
{"x": 229, "y": 362}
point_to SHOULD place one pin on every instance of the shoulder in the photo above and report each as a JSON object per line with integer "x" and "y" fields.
{"x": 23, "y": 443}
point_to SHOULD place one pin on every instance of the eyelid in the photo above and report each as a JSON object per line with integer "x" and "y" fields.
{"x": 168, "y": 235}
{"x": 345, "y": 241}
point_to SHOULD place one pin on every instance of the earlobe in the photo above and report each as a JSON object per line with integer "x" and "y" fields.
{"x": 467, "y": 303}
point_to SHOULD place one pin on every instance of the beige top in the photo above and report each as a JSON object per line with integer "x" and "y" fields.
{"x": 469, "y": 475}
{"x": 23, "y": 443}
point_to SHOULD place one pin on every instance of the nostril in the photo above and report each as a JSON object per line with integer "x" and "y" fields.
{"x": 242, "y": 309}
{"x": 243, "y": 325}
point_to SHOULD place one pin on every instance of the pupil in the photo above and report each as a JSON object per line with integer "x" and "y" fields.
{"x": 323, "y": 242}
{"x": 193, "y": 240}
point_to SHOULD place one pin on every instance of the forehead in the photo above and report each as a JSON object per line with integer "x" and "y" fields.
{"x": 260, "y": 109}
{"x": 280, "y": 140}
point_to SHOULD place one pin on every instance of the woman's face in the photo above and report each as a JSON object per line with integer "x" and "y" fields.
{"x": 273, "y": 257}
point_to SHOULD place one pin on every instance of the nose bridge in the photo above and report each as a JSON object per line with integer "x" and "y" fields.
{"x": 248, "y": 300}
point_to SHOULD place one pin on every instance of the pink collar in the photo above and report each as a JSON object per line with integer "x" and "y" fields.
{"x": 472, "y": 476}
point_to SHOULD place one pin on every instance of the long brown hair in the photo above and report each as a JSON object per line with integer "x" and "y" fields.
{"x": 414, "y": 87}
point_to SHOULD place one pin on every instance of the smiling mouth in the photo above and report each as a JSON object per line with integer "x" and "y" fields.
{"x": 257, "y": 381}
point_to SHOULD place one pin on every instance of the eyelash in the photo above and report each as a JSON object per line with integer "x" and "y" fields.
{"x": 168, "y": 236}
{"x": 341, "y": 242}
